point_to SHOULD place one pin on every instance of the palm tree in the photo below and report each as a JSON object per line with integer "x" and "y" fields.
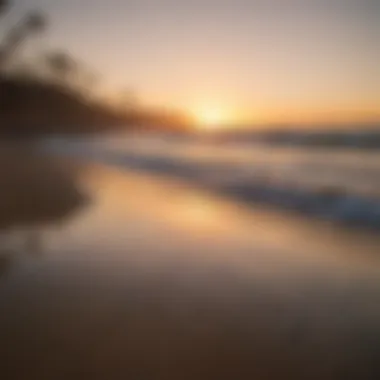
{"x": 4, "y": 4}
{"x": 70, "y": 72}
{"x": 3, "y": 8}
{"x": 33, "y": 24}
{"x": 62, "y": 66}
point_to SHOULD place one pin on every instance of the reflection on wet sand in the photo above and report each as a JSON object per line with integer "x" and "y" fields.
{"x": 35, "y": 191}
{"x": 160, "y": 281}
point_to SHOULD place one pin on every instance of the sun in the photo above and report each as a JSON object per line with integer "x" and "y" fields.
{"x": 210, "y": 117}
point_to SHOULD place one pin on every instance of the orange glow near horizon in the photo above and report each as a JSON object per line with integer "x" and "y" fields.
{"x": 242, "y": 63}
{"x": 211, "y": 117}
{"x": 226, "y": 113}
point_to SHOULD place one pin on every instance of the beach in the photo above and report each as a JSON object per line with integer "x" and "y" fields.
{"x": 128, "y": 275}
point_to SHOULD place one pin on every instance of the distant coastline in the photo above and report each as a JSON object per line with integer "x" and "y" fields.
{"x": 353, "y": 137}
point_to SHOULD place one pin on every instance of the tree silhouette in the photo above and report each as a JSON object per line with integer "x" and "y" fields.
{"x": 3, "y": 8}
{"x": 61, "y": 66}
{"x": 70, "y": 72}
{"x": 4, "y": 5}
{"x": 33, "y": 24}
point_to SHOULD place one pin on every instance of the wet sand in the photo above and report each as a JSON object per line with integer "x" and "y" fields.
{"x": 154, "y": 279}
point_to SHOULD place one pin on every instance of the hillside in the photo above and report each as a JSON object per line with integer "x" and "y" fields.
{"x": 32, "y": 107}
{"x": 35, "y": 107}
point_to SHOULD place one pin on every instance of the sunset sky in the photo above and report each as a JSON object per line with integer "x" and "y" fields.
{"x": 264, "y": 60}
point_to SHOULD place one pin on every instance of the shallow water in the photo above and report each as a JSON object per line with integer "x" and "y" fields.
{"x": 331, "y": 184}
{"x": 355, "y": 171}
{"x": 155, "y": 279}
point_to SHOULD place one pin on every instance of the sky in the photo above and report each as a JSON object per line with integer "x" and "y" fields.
{"x": 258, "y": 60}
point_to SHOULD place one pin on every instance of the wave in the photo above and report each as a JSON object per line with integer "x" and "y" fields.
{"x": 260, "y": 181}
